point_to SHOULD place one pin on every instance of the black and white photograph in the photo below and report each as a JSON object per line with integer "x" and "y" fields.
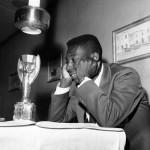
{"x": 75, "y": 75}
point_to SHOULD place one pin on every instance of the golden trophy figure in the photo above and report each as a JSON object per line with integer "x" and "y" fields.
{"x": 28, "y": 69}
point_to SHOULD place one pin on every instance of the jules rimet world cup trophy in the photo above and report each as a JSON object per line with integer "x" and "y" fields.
{"x": 28, "y": 69}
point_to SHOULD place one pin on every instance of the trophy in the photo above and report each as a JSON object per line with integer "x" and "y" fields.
{"x": 28, "y": 69}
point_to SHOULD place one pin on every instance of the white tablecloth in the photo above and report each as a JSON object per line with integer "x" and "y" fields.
{"x": 57, "y": 136}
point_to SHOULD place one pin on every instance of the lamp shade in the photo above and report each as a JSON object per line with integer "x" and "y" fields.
{"x": 32, "y": 20}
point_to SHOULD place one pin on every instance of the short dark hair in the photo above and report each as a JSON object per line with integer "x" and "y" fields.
{"x": 87, "y": 41}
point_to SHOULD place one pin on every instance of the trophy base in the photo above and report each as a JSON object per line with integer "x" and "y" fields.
{"x": 24, "y": 111}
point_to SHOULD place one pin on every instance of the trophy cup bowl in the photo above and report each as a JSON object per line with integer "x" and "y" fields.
{"x": 28, "y": 68}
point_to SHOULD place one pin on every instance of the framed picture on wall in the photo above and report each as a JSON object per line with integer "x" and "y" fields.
{"x": 132, "y": 42}
{"x": 54, "y": 69}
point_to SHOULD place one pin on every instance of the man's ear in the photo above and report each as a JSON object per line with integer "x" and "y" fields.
{"x": 95, "y": 56}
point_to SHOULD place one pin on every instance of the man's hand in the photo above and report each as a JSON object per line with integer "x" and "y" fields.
{"x": 84, "y": 68}
{"x": 66, "y": 79}
{"x": 65, "y": 73}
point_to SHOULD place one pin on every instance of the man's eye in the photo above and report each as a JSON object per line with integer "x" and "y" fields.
{"x": 73, "y": 61}
{"x": 67, "y": 61}
{"x": 76, "y": 60}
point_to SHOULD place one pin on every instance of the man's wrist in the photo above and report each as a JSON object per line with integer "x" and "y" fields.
{"x": 81, "y": 79}
{"x": 59, "y": 90}
{"x": 65, "y": 82}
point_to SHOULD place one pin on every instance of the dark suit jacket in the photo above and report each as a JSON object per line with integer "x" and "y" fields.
{"x": 119, "y": 101}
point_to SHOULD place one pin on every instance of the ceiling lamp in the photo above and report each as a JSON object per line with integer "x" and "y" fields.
{"x": 32, "y": 19}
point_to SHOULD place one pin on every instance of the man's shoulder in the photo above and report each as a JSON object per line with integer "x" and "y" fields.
{"x": 120, "y": 67}
{"x": 117, "y": 68}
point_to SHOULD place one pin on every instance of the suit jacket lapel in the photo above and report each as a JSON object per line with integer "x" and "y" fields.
{"x": 72, "y": 91}
{"x": 79, "y": 110}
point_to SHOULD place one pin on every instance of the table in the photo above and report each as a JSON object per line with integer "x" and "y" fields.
{"x": 60, "y": 136}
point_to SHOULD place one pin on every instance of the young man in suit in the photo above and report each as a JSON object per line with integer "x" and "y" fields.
{"x": 107, "y": 94}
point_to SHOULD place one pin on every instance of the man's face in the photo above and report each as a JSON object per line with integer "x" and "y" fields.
{"x": 73, "y": 59}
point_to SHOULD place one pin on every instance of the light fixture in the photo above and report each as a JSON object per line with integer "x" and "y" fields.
{"x": 32, "y": 19}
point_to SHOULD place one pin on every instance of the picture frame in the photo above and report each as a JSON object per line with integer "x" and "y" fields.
{"x": 132, "y": 42}
{"x": 54, "y": 69}
{"x": 13, "y": 82}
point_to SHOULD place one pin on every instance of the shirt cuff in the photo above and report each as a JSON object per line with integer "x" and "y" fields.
{"x": 85, "y": 80}
{"x": 59, "y": 90}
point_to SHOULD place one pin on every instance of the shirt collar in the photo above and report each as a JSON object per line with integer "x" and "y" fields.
{"x": 98, "y": 79}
